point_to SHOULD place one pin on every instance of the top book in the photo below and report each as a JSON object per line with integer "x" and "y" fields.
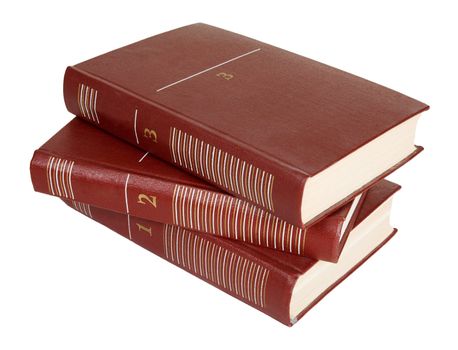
{"x": 290, "y": 134}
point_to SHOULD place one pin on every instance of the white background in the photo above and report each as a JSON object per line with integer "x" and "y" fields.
{"x": 67, "y": 283}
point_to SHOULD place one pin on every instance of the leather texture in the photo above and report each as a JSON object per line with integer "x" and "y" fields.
{"x": 260, "y": 277}
{"x": 87, "y": 165}
{"x": 280, "y": 116}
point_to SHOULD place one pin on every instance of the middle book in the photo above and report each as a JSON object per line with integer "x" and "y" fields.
{"x": 85, "y": 164}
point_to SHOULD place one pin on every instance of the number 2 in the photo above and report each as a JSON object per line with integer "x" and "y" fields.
{"x": 150, "y": 199}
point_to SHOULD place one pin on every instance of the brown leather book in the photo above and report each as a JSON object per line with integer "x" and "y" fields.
{"x": 85, "y": 164}
{"x": 283, "y": 286}
{"x": 289, "y": 134}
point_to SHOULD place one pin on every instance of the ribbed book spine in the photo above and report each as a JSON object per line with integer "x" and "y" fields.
{"x": 228, "y": 172}
{"x": 193, "y": 208}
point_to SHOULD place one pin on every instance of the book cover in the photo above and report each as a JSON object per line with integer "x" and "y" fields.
{"x": 268, "y": 126}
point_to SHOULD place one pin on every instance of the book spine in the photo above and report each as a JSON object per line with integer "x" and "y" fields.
{"x": 175, "y": 138}
{"x": 227, "y": 265}
{"x": 192, "y": 208}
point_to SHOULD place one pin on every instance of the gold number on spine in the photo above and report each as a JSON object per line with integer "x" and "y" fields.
{"x": 225, "y": 76}
{"x": 150, "y": 134}
{"x": 150, "y": 199}
{"x": 144, "y": 228}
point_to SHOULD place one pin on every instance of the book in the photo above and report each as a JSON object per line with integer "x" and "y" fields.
{"x": 289, "y": 134}
{"x": 85, "y": 164}
{"x": 281, "y": 285}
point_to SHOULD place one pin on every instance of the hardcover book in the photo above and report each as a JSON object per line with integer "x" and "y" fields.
{"x": 283, "y": 286}
{"x": 293, "y": 136}
{"x": 85, "y": 164}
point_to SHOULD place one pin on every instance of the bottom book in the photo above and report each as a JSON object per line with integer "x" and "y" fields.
{"x": 281, "y": 285}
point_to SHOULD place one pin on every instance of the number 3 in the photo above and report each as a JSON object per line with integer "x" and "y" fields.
{"x": 150, "y": 134}
{"x": 224, "y": 75}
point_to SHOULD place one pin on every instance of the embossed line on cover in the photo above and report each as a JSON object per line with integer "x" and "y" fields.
{"x": 227, "y": 216}
{"x": 208, "y": 69}
{"x": 82, "y": 208}
{"x": 87, "y": 102}
{"x": 229, "y": 172}
{"x": 59, "y": 177}
{"x": 126, "y": 200}
{"x": 143, "y": 157}
{"x": 209, "y": 260}
{"x": 135, "y": 125}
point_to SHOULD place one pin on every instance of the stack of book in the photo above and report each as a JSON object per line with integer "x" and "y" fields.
{"x": 255, "y": 169}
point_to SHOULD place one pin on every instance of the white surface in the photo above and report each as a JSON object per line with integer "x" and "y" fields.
{"x": 67, "y": 283}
